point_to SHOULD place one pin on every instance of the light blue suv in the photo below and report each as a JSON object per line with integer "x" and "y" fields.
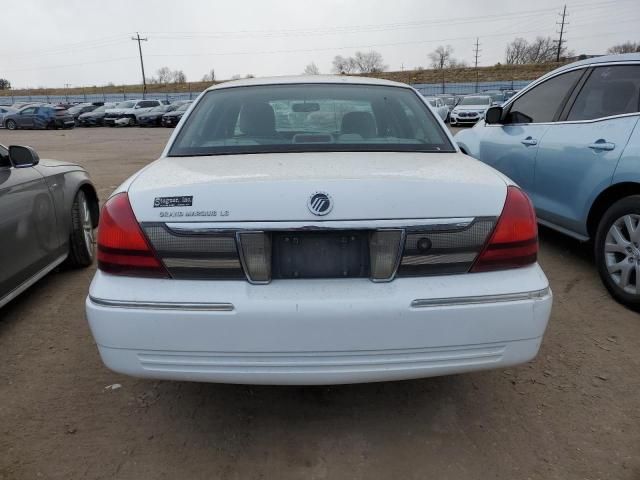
{"x": 572, "y": 140}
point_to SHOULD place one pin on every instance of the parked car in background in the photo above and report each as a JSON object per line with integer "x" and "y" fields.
{"x": 48, "y": 211}
{"x": 171, "y": 119}
{"x": 497, "y": 96}
{"x": 440, "y": 108}
{"x": 572, "y": 141}
{"x": 153, "y": 117}
{"x": 95, "y": 118}
{"x": 5, "y": 110}
{"x": 259, "y": 250}
{"x": 39, "y": 117}
{"x": 509, "y": 93}
{"x": 470, "y": 109}
{"x": 450, "y": 101}
{"x": 128, "y": 110}
{"x": 81, "y": 108}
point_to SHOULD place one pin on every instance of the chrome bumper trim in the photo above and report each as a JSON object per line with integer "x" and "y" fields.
{"x": 207, "y": 307}
{"x": 457, "y": 301}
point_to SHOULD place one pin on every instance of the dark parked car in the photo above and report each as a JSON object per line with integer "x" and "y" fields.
{"x": 95, "y": 118}
{"x": 171, "y": 119}
{"x": 48, "y": 212}
{"x": 78, "y": 110}
{"x": 153, "y": 117}
{"x": 42, "y": 117}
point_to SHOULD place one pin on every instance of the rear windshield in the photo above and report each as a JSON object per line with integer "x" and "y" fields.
{"x": 310, "y": 117}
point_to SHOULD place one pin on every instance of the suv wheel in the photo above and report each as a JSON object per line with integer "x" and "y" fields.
{"x": 617, "y": 251}
{"x": 11, "y": 125}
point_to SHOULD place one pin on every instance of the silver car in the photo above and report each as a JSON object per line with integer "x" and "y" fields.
{"x": 48, "y": 212}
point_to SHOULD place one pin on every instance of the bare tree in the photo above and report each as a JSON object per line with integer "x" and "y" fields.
{"x": 626, "y": 47}
{"x": 369, "y": 62}
{"x": 164, "y": 75}
{"x": 441, "y": 57}
{"x": 209, "y": 77}
{"x": 178, "y": 76}
{"x": 344, "y": 64}
{"x": 516, "y": 52}
{"x": 541, "y": 50}
{"x": 311, "y": 69}
{"x": 453, "y": 63}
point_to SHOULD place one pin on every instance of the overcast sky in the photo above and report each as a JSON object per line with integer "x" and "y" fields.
{"x": 87, "y": 42}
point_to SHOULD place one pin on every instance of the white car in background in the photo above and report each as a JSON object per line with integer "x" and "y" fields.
{"x": 124, "y": 114}
{"x": 470, "y": 110}
{"x": 439, "y": 106}
{"x": 277, "y": 249}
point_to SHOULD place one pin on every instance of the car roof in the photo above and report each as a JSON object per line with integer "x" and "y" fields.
{"x": 307, "y": 79}
{"x": 621, "y": 58}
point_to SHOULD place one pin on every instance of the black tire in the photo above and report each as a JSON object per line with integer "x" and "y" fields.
{"x": 628, "y": 206}
{"x": 81, "y": 248}
{"x": 11, "y": 125}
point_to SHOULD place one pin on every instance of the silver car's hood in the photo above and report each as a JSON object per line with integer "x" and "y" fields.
{"x": 471, "y": 108}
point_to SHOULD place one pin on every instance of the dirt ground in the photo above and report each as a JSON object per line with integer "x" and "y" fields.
{"x": 573, "y": 413}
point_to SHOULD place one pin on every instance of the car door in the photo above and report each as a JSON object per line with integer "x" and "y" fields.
{"x": 26, "y": 117}
{"x": 511, "y": 146}
{"x": 27, "y": 224}
{"x": 579, "y": 154}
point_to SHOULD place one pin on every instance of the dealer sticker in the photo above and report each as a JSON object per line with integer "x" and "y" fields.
{"x": 181, "y": 201}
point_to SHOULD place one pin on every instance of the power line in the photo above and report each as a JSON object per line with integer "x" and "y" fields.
{"x": 144, "y": 78}
{"x": 476, "y": 54}
{"x": 562, "y": 24}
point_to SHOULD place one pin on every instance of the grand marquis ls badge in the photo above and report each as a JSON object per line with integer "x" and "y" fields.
{"x": 320, "y": 203}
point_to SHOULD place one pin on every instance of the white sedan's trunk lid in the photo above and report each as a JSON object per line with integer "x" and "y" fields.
{"x": 277, "y": 187}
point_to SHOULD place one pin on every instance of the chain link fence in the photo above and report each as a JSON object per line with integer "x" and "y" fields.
{"x": 426, "y": 89}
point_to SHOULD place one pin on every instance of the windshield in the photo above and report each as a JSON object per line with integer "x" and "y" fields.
{"x": 432, "y": 101}
{"x": 102, "y": 108}
{"x": 183, "y": 107}
{"x": 475, "y": 101}
{"x": 160, "y": 108}
{"x": 309, "y": 117}
{"x": 129, "y": 104}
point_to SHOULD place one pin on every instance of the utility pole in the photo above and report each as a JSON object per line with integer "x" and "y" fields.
{"x": 66, "y": 92}
{"x": 562, "y": 24}
{"x": 144, "y": 79}
{"x": 477, "y": 51}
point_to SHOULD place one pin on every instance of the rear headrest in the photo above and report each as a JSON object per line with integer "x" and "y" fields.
{"x": 257, "y": 119}
{"x": 361, "y": 123}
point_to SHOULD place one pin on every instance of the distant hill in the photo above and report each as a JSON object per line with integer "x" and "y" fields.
{"x": 454, "y": 75}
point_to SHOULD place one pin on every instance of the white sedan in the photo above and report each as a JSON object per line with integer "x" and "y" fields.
{"x": 267, "y": 247}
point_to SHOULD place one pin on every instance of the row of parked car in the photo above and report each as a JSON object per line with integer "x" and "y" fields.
{"x": 144, "y": 113}
{"x": 468, "y": 109}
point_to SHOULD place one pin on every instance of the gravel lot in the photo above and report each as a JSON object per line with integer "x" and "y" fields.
{"x": 573, "y": 413}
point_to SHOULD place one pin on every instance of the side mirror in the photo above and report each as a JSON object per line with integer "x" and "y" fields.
{"x": 493, "y": 115}
{"x": 22, "y": 157}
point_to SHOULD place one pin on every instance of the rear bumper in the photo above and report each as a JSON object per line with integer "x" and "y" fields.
{"x": 316, "y": 331}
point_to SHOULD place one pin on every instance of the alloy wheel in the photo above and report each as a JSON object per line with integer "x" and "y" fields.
{"x": 622, "y": 253}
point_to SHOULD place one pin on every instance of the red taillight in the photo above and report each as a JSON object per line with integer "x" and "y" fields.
{"x": 514, "y": 241}
{"x": 122, "y": 247}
